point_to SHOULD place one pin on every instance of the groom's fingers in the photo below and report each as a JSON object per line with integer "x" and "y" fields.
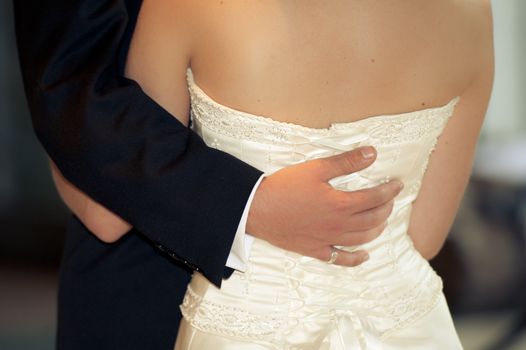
{"x": 345, "y": 258}
{"x": 359, "y": 237}
{"x": 345, "y": 163}
{"x": 369, "y": 219}
{"x": 374, "y": 197}
{"x": 297, "y": 210}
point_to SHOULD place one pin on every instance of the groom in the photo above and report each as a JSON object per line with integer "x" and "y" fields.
{"x": 187, "y": 203}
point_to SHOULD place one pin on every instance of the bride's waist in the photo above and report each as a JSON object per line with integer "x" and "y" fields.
{"x": 390, "y": 251}
{"x": 288, "y": 281}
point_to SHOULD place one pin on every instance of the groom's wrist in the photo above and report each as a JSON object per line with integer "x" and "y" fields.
{"x": 242, "y": 243}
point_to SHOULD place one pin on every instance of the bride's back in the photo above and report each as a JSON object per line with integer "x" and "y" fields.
{"x": 318, "y": 62}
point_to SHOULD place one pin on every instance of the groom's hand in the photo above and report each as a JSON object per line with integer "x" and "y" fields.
{"x": 297, "y": 209}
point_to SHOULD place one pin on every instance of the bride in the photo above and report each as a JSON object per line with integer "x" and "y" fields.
{"x": 277, "y": 83}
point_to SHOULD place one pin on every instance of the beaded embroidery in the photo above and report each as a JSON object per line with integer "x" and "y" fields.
{"x": 416, "y": 300}
{"x": 383, "y": 129}
{"x": 237, "y": 322}
{"x": 228, "y": 320}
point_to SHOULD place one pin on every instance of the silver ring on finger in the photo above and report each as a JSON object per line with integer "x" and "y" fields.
{"x": 333, "y": 257}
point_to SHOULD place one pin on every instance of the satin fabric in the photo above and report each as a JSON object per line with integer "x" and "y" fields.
{"x": 288, "y": 301}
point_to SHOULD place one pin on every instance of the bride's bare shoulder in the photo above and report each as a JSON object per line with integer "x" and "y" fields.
{"x": 473, "y": 23}
{"x": 463, "y": 34}
{"x": 474, "y": 14}
{"x": 471, "y": 19}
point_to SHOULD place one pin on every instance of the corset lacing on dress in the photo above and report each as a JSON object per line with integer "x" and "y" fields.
{"x": 289, "y": 300}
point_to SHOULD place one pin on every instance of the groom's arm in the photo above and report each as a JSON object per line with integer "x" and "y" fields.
{"x": 115, "y": 143}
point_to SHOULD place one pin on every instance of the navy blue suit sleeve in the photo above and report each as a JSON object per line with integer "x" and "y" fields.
{"x": 115, "y": 143}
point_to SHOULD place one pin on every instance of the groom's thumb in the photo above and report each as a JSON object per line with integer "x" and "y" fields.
{"x": 347, "y": 162}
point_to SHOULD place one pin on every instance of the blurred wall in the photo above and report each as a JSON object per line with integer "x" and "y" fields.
{"x": 6, "y": 175}
{"x": 32, "y": 217}
{"x": 506, "y": 116}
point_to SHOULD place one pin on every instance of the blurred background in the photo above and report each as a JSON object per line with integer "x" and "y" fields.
{"x": 483, "y": 262}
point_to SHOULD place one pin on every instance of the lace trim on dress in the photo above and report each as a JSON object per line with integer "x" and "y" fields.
{"x": 401, "y": 310}
{"x": 414, "y": 304}
{"x": 228, "y": 320}
{"x": 382, "y": 129}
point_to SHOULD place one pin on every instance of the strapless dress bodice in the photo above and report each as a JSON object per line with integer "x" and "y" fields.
{"x": 388, "y": 292}
{"x": 404, "y": 142}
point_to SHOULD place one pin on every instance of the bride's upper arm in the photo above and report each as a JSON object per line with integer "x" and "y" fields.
{"x": 450, "y": 164}
{"x": 159, "y": 54}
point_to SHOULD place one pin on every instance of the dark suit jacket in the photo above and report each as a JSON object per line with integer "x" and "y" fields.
{"x": 117, "y": 145}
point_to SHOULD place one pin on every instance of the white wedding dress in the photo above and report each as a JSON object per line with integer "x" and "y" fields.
{"x": 288, "y": 301}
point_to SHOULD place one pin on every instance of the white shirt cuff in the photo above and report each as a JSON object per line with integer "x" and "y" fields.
{"x": 242, "y": 245}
